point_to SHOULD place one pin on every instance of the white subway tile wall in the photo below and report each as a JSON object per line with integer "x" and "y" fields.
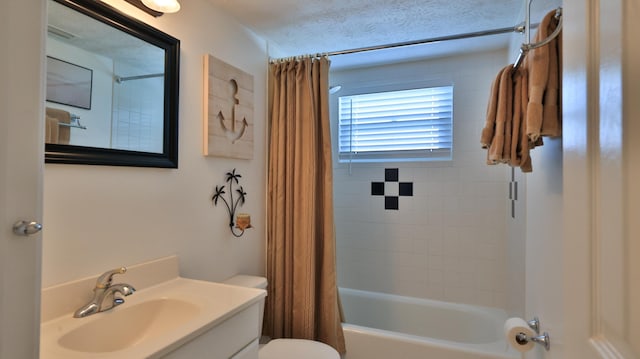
{"x": 448, "y": 240}
{"x": 138, "y": 111}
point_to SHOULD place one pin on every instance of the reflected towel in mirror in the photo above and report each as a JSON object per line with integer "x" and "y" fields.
{"x": 51, "y": 130}
{"x": 61, "y": 134}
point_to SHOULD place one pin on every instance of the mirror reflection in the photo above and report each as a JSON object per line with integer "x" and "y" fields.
{"x": 106, "y": 88}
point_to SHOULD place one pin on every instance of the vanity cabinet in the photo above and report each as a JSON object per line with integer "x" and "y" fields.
{"x": 235, "y": 338}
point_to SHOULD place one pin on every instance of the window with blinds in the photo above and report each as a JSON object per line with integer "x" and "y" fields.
{"x": 408, "y": 125}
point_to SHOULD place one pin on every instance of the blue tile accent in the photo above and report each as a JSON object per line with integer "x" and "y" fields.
{"x": 377, "y": 188}
{"x": 391, "y": 175}
{"x": 406, "y": 189}
{"x": 391, "y": 202}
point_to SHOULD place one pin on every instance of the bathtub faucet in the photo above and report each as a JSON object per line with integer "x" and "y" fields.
{"x": 104, "y": 294}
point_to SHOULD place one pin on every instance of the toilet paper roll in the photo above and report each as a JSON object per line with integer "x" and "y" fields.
{"x": 515, "y": 326}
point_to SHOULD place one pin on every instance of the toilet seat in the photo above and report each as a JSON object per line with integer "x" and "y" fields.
{"x": 297, "y": 349}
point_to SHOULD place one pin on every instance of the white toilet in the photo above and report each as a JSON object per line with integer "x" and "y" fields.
{"x": 284, "y": 348}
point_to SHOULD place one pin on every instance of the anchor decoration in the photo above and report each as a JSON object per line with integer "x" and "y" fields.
{"x": 231, "y": 133}
{"x": 228, "y": 110}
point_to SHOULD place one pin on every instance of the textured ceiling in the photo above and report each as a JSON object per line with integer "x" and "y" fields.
{"x": 296, "y": 27}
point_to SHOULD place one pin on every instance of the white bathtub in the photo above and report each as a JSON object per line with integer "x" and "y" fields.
{"x": 382, "y": 326}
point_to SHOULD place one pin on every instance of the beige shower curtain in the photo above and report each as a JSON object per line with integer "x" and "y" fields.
{"x": 302, "y": 300}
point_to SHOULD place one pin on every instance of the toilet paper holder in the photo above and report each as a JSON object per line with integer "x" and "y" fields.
{"x": 543, "y": 339}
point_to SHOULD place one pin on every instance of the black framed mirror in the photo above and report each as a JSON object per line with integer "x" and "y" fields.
{"x": 112, "y": 88}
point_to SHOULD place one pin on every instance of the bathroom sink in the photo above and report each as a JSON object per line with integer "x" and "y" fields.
{"x": 155, "y": 322}
{"x": 129, "y": 326}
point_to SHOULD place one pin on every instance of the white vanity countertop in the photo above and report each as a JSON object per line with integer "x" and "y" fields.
{"x": 188, "y": 308}
{"x": 215, "y": 303}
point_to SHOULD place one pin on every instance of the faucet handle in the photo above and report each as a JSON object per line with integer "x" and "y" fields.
{"x": 104, "y": 281}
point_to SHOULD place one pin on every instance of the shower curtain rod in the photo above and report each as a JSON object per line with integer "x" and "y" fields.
{"x": 119, "y": 79}
{"x": 518, "y": 28}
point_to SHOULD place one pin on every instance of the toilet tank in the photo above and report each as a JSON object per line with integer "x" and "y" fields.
{"x": 250, "y": 281}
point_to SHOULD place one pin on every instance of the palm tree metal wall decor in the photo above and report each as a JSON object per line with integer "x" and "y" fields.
{"x": 242, "y": 220}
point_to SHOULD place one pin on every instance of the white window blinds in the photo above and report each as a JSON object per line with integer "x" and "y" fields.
{"x": 409, "y": 125}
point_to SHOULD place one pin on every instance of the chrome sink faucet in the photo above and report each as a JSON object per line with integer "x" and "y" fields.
{"x": 104, "y": 294}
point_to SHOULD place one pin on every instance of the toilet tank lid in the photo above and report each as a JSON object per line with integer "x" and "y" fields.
{"x": 297, "y": 348}
{"x": 250, "y": 281}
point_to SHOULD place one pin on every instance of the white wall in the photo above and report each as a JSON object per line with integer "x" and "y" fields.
{"x": 536, "y": 210}
{"x": 537, "y": 228}
{"x": 448, "y": 241}
{"x": 100, "y": 217}
{"x": 96, "y": 119}
{"x": 544, "y": 237}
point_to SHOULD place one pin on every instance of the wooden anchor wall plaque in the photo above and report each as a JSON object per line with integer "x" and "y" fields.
{"x": 228, "y": 110}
